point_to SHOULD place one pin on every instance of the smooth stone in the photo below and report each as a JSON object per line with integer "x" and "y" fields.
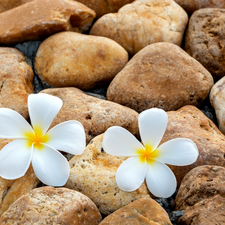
{"x": 142, "y": 23}
{"x": 161, "y": 75}
{"x": 201, "y": 196}
{"x": 95, "y": 114}
{"x": 11, "y": 190}
{"x": 9, "y": 4}
{"x": 190, "y": 122}
{"x": 93, "y": 174}
{"x": 142, "y": 211}
{"x": 16, "y": 78}
{"x": 205, "y": 39}
{"x": 49, "y": 205}
{"x": 192, "y": 5}
{"x": 39, "y": 19}
{"x": 66, "y": 59}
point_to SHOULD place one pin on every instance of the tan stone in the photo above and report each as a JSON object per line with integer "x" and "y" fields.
{"x": 192, "y": 5}
{"x": 161, "y": 75}
{"x": 16, "y": 78}
{"x": 190, "y": 122}
{"x": 93, "y": 174}
{"x": 142, "y": 23}
{"x": 140, "y": 212}
{"x": 48, "y": 205}
{"x": 11, "y": 190}
{"x": 205, "y": 39}
{"x": 201, "y": 196}
{"x": 95, "y": 114}
{"x": 66, "y": 59}
{"x": 9, "y": 4}
{"x": 41, "y": 18}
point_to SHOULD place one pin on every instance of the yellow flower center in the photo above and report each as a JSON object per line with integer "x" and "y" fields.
{"x": 148, "y": 154}
{"x": 37, "y": 138}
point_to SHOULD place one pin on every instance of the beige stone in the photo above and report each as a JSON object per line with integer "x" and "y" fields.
{"x": 144, "y": 211}
{"x": 9, "y": 4}
{"x": 95, "y": 114}
{"x": 93, "y": 174}
{"x": 142, "y": 23}
{"x": 48, "y": 205}
{"x": 201, "y": 196}
{"x": 205, "y": 39}
{"x": 16, "y": 78}
{"x": 41, "y": 18}
{"x": 161, "y": 75}
{"x": 71, "y": 59}
{"x": 192, "y": 5}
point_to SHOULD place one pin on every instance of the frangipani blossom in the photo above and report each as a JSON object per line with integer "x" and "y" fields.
{"x": 148, "y": 160}
{"x": 36, "y": 144}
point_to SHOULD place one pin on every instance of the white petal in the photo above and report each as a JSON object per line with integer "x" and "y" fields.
{"x": 50, "y": 166}
{"x": 131, "y": 174}
{"x": 152, "y": 126}
{"x": 120, "y": 142}
{"x": 15, "y": 159}
{"x": 160, "y": 180}
{"x": 68, "y": 137}
{"x": 42, "y": 109}
{"x": 178, "y": 152}
{"x": 12, "y": 124}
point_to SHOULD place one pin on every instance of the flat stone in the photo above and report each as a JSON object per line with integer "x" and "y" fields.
{"x": 93, "y": 174}
{"x": 141, "y": 211}
{"x": 41, "y": 18}
{"x": 48, "y": 205}
{"x": 205, "y": 39}
{"x": 66, "y": 59}
{"x": 9, "y": 4}
{"x": 142, "y": 23}
{"x": 192, "y": 5}
{"x": 16, "y": 78}
{"x": 95, "y": 114}
{"x": 161, "y": 75}
{"x": 201, "y": 196}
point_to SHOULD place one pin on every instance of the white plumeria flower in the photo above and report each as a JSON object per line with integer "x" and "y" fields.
{"x": 147, "y": 161}
{"x": 38, "y": 145}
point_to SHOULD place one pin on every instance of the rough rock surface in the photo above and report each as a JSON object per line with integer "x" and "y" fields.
{"x": 93, "y": 174}
{"x": 66, "y": 59}
{"x": 190, "y": 122}
{"x": 143, "y": 22}
{"x": 9, "y": 4}
{"x": 201, "y": 196}
{"x": 161, "y": 75}
{"x": 205, "y": 39}
{"x": 144, "y": 211}
{"x": 192, "y": 5}
{"x": 95, "y": 114}
{"x": 48, "y": 205}
{"x": 15, "y": 81}
{"x": 40, "y": 18}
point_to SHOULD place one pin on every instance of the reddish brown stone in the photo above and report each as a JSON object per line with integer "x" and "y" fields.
{"x": 9, "y": 4}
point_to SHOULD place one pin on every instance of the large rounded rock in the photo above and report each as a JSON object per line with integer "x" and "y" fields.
{"x": 143, "y": 22}
{"x": 161, "y": 75}
{"x": 48, "y": 205}
{"x": 205, "y": 39}
{"x": 66, "y": 59}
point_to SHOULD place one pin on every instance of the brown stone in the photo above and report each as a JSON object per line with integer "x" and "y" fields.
{"x": 202, "y": 196}
{"x": 11, "y": 190}
{"x": 95, "y": 114}
{"x": 16, "y": 78}
{"x": 41, "y": 18}
{"x": 66, "y": 59}
{"x": 140, "y": 212}
{"x": 142, "y": 23}
{"x": 192, "y": 5}
{"x": 205, "y": 39}
{"x": 48, "y": 205}
{"x": 190, "y": 122}
{"x": 9, "y": 4}
{"x": 93, "y": 174}
{"x": 161, "y": 75}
